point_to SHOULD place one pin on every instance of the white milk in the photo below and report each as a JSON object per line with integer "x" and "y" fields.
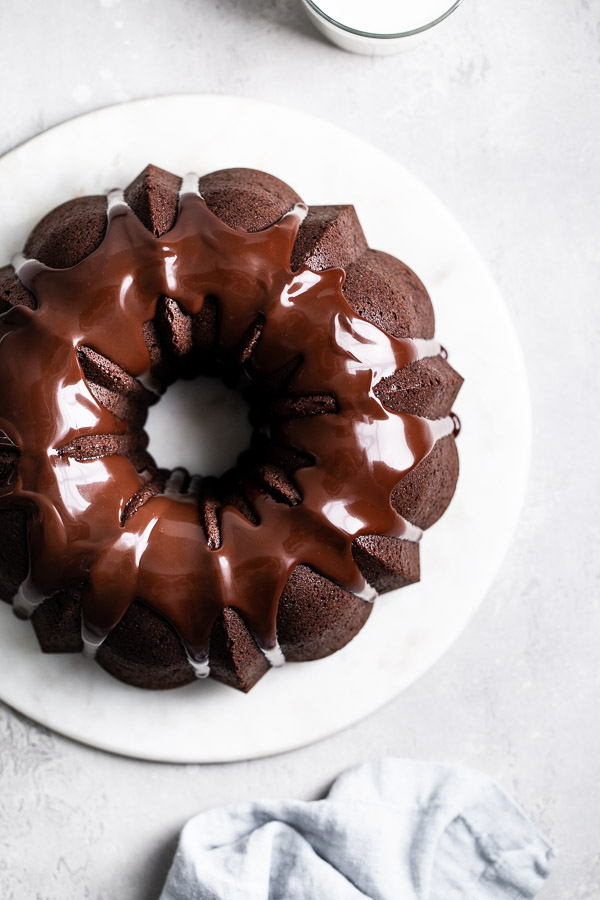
{"x": 384, "y": 16}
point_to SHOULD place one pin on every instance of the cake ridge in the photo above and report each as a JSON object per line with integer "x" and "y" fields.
{"x": 355, "y": 335}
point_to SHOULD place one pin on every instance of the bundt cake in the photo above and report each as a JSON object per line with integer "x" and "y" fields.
{"x": 164, "y": 576}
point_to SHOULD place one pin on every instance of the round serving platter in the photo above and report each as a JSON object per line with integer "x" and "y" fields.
{"x": 410, "y": 629}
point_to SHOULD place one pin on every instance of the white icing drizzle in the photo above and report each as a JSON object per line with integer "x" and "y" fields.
{"x": 18, "y": 261}
{"x": 274, "y": 655}
{"x": 195, "y": 485}
{"x": 91, "y": 642}
{"x": 201, "y": 667}
{"x": 412, "y": 532}
{"x": 115, "y": 198}
{"x": 189, "y": 184}
{"x": 298, "y": 211}
{"x": 147, "y": 380}
{"x": 367, "y": 593}
{"x": 441, "y": 428}
{"x": 25, "y": 268}
{"x": 426, "y": 348}
{"x": 176, "y": 481}
{"x": 26, "y": 600}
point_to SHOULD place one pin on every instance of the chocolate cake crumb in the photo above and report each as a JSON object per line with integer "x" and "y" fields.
{"x": 315, "y": 616}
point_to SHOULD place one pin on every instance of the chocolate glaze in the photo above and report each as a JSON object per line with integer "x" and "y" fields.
{"x": 81, "y": 527}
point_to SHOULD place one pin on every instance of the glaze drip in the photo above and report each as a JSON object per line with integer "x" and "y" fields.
{"x": 79, "y": 525}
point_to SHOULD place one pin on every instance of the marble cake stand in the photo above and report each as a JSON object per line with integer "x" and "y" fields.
{"x": 409, "y": 630}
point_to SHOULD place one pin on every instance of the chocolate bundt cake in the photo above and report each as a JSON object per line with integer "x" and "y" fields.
{"x": 162, "y": 576}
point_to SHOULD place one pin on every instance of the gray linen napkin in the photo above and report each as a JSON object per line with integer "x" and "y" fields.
{"x": 388, "y": 829}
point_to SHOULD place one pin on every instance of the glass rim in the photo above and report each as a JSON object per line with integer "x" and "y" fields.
{"x": 384, "y": 35}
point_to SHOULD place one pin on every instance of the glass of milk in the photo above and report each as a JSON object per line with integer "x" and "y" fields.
{"x": 377, "y": 26}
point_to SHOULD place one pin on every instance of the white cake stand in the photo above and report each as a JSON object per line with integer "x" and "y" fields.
{"x": 410, "y": 629}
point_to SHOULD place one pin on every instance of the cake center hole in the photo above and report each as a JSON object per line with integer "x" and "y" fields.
{"x": 199, "y": 424}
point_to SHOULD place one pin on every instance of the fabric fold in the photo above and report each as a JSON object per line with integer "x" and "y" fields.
{"x": 388, "y": 829}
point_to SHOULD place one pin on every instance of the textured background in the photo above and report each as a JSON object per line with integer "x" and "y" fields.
{"x": 499, "y": 113}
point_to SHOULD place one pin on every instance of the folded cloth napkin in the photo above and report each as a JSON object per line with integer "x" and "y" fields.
{"x": 392, "y": 828}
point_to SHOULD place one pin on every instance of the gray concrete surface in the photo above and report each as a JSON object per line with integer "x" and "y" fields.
{"x": 499, "y": 113}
